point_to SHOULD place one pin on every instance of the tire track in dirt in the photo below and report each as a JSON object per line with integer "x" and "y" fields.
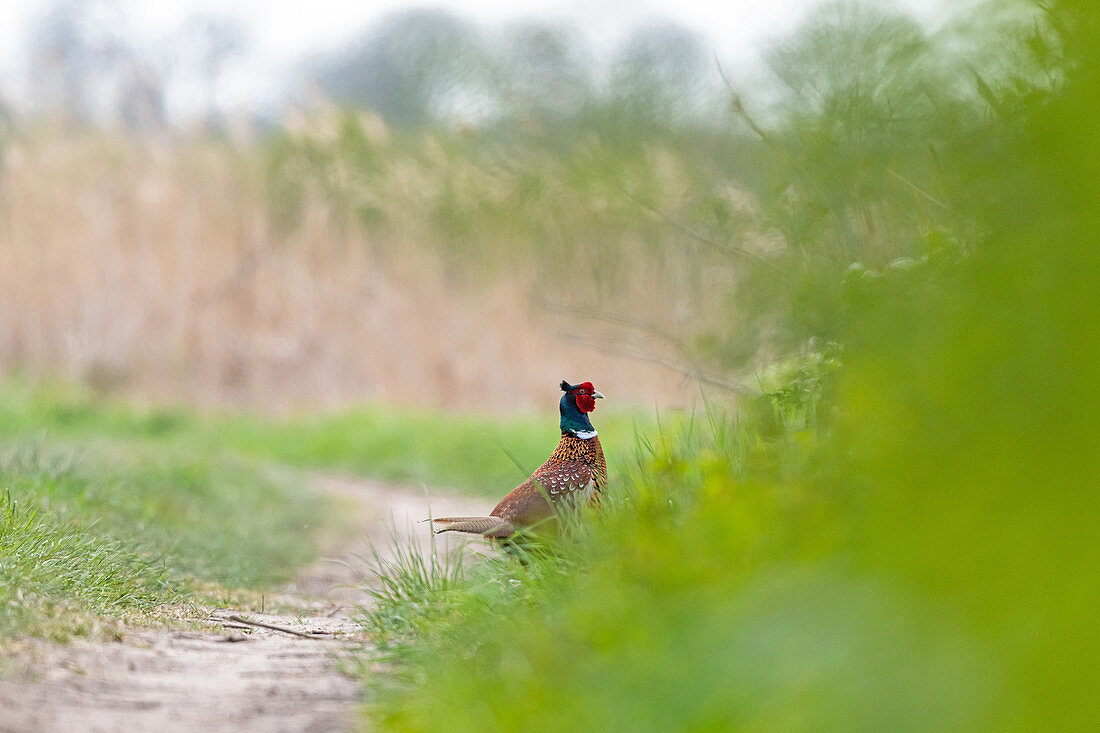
{"x": 225, "y": 679}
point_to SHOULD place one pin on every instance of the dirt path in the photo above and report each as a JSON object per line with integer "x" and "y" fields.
{"x": 227, "y": 679}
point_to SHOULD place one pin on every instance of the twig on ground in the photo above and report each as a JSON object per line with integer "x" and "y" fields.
{"x": 273, "y": 627}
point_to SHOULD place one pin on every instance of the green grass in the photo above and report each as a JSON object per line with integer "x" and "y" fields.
{"x": 480, "y": 454}
{"x": 483, "y": 455}
{"x": 97, "y": 528}
{"x": 58, "y": 576}
{"x": 143, "y": 505}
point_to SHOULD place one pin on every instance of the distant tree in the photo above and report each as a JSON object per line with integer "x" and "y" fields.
{"x": 69, "y": 51}
{"x": 85, "y": 69}
{"x": 660, "y": 74}
{"x": 206, "y": 44}
{"x": 855, "y": 56}
{"x": 546, "y": 70}
{"x": 412, "y": 68}
{"x": 141, "y": 103}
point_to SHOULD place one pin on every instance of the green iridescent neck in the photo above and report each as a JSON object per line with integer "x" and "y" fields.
{"x": 572, "y": 419}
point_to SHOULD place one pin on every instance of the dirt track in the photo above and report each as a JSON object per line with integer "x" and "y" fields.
{"x": 227, "y": 679}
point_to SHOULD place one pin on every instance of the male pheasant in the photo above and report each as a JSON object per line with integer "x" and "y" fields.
{"x": 575, "y": 470}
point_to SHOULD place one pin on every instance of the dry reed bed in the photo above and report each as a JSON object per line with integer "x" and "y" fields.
{"x": 154, "y": 269}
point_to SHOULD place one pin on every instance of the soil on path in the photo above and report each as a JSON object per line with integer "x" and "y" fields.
{"x": 228, "y": 679}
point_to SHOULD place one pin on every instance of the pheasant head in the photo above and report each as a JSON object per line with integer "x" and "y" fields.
{"x": 576, "y": 403}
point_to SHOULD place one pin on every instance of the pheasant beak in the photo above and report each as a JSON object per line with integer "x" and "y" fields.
{"x": 597, "y": 395}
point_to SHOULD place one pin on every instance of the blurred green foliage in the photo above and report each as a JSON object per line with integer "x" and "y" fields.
{"x": 901, "y": 534}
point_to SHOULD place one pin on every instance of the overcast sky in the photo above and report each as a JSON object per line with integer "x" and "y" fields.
{"x": 281, "y": 31}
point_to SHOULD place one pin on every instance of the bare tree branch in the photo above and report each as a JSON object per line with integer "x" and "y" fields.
{"x": 694, "y": 373}
{"x": 724, "y": 249}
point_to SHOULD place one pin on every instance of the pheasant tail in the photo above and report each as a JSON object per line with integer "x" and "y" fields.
{"x": 486, "y": 526}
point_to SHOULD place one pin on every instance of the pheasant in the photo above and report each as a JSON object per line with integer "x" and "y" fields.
{"x": 575, "y": 470}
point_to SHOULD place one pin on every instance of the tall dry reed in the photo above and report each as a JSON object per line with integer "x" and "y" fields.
{"x": 157, "y": 269}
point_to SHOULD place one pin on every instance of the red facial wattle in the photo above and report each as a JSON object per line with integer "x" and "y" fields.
{"x": 585, "y": 401}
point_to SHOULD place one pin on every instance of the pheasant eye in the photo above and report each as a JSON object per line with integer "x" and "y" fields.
{"x": 580, "y": 391}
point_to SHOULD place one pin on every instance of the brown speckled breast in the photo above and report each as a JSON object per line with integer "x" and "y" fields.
{"x": 575, "y": 469}
{"x": 586, "y": 450}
